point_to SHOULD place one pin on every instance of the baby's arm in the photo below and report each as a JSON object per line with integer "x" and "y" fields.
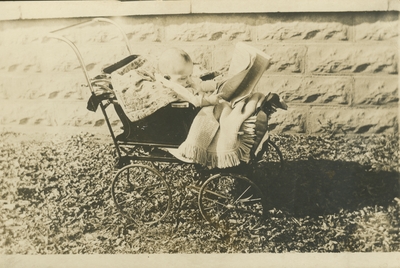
{"x": 204, "y": 86}
{"x": 208, "y": 86}
{"x": 210, "y": 100}
{"x": 183, "y": 93}
{"x": 200, "y": 99}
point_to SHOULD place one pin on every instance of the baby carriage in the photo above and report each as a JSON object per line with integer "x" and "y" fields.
{"x": 226, "y": 198}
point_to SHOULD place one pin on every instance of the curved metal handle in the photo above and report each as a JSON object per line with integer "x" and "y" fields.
{"x": 81, "y": 24}
{"x": 54, "y": 34}
{"x": 119, "y": 28}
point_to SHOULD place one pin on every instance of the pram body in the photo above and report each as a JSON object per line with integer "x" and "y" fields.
{"x": 173, "y": 120}
{"x": 226, "y": 198}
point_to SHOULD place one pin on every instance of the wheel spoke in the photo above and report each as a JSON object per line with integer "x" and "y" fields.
{"x": 216, "y": 194}
{"x": 242, "y": 195}
{"x": 214, "y": 201}
{"x": 248, "y": 199}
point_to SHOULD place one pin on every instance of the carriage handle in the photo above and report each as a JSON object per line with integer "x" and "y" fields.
{"x": 55, "y": 34}
{"x": 97, "y": 20}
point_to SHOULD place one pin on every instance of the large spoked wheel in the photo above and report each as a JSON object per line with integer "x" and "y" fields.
{"x": 141, "y": 194}
{"x": 271, "y": 158}
{"x": 231, "y": 202}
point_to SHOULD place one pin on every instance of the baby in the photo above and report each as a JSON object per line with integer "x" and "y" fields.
{"x": 176, "y": 66}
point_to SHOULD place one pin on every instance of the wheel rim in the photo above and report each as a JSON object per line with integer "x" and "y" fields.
{"x": 141, "y": 194}
{"x": 231, "y": 202}
{"x": 272, "y": 159}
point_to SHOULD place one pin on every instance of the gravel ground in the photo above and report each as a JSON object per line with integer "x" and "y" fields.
{"x": 334, "y": 194}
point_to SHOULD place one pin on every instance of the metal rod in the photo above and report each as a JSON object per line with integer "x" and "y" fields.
{"x": 135, "y": 143}
{"x": 74, "y": 25}
{"x": 83, "y": 65}
{"x": 120, "y": 29}
{"x": 155, "y": 159}
{"x": 78, "y": 55}
{"x": 103, "y": 109}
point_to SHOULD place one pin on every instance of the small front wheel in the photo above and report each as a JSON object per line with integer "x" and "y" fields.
{"x": 231, "y": 202}
{"x": 271, "y": 158}
{"x": 141, "y": 194}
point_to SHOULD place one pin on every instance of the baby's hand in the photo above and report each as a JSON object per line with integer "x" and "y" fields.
{"x": 214, "y": 99}
{"x": 164, "y": 81}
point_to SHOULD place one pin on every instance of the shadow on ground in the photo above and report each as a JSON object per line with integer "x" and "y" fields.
{"x": 319, "y": 187}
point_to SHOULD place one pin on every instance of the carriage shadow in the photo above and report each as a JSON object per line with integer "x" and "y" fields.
{"x": 320, "y": 187}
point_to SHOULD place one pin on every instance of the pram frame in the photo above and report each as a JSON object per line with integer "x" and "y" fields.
{"x": 125, "y": 160}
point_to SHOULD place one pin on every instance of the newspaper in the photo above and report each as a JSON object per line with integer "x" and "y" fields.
{"x": 245, "y": 70}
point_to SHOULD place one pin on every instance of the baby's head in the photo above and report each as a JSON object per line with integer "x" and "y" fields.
{"x": 177, "y": 66}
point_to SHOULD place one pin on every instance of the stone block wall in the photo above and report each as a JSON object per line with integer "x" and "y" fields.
{"x": 334, "y": 70}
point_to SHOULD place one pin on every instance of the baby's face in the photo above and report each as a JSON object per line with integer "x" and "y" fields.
{"x": 182, "y": 74}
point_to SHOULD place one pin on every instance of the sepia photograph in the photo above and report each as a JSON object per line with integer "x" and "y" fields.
{"x": 199, "y": 133}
